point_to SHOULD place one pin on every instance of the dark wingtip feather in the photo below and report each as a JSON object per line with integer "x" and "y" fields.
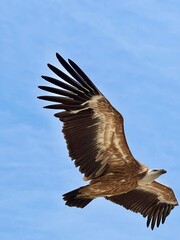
{"x": 46, "y": 107}
{"x": 58, "y": 55}
{"x": 44, "y": 77}
{"x": 54, "y": 106}
{"x": 60, "y": 58}
{"x": 50, "y": 66}
{"x": 148, "y": 220}
{"x": 84, "y": 76}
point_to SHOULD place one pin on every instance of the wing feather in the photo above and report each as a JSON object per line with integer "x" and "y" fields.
{"x": 93, "y": 128}
{"x": 154, "y": 201}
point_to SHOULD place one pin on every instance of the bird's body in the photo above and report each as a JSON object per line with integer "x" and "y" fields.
{"x": 94, "y": 133}
{"x": 111, "y": 184}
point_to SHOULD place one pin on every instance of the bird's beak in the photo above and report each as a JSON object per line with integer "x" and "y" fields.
{"x": 163, "y": 171}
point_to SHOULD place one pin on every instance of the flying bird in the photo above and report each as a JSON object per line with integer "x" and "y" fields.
{"x": 95, "y": 137}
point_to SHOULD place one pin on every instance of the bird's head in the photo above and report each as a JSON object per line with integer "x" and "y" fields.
{"x": 155, "y": 173}
{"x": 151, "y": 175}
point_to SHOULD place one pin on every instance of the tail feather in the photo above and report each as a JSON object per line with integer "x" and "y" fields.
{"x": 74, "y": 198}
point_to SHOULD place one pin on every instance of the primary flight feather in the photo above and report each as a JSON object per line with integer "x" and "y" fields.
{"x": 94, "y": 133}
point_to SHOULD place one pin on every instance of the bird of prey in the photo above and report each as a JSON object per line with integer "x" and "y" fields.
{"x": 94, "y": 133}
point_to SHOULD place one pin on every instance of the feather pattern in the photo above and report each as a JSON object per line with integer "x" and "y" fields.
{"x": 93, "y": 128}
{"x": 154, "y": 201}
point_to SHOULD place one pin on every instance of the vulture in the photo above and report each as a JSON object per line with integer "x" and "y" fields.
{"x": 95, "y": 138}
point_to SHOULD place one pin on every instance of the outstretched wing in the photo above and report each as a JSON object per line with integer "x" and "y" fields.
{"x": 93, "y": 129}
{"x": 154, "y": 201}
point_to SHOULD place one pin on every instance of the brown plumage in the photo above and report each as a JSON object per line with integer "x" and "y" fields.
{"x": 94, "y": 133}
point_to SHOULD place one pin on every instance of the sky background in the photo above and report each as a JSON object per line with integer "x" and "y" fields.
{"x": 131, "y": 50}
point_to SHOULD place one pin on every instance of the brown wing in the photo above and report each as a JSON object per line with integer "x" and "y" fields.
{"x": 93, "y": 129}
{"x": 154, "y": 201}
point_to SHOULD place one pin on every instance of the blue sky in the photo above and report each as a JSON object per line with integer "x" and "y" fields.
{"x": 131, "y": 50}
